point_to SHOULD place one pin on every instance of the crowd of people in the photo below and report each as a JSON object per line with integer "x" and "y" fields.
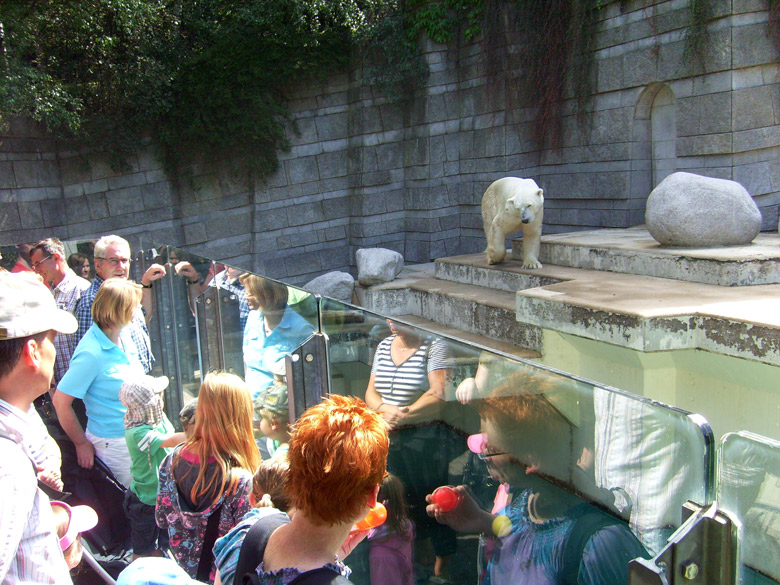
{"x": 244, "y": 492}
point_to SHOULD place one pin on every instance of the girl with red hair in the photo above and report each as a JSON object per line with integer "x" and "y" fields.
{"x": 205, "y": 484}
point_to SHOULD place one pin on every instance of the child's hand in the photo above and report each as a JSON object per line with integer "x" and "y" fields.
{"x": 467, "y": 516}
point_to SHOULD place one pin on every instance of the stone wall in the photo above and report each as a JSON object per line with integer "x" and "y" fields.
{"x": 363, "y": 172}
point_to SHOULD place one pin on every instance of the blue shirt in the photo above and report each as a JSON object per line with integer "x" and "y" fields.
{"x": 261, "y": 353}
{"x": 137, "y": 328}
{"x": 96, "y": 373}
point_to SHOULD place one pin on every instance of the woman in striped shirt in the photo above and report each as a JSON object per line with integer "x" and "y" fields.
{"x": 407, "y": 387}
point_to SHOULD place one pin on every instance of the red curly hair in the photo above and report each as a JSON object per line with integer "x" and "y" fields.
{"x": 338, "y": 455}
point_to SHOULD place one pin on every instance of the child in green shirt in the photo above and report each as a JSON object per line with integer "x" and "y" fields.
{"x": 150, "y": 437}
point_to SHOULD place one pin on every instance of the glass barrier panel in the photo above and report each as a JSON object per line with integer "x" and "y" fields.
{"x": 552, "y": 472}
{"x": 749, "y": 492}
{"x": 172, "y": 324}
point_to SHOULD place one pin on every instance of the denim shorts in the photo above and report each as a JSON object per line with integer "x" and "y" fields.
{"x": 146, "y": 536}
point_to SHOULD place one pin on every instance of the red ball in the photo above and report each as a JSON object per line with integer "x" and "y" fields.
{"x": 445, "y": 498}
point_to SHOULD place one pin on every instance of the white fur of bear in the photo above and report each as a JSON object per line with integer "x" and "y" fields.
{"x": 508, "y": 205}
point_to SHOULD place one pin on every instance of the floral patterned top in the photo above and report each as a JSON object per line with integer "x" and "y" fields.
{"x": 187, "y": 526}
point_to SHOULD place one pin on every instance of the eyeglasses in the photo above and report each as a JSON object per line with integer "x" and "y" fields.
{"x": 35, "y": 265}
{"x": 114, "y": 261}
{"x": 484, "y": 456}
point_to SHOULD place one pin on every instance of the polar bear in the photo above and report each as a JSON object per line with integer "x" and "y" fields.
{"x": 508, "y": 205}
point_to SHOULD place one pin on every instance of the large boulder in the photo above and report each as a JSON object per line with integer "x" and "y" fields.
{"x": 691, "y": 211}
{"x": 335, "y": 285}
{"x": 378, "y": 265}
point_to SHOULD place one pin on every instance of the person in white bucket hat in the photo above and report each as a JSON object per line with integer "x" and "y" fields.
{"x": 29, "y": 320}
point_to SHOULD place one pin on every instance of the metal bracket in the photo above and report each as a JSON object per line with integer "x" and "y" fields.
{"x": 703, "y": 550}
{"x": 308, "y": 374}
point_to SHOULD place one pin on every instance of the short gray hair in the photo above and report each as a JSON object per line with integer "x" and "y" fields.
{"x": 106, "y": 241}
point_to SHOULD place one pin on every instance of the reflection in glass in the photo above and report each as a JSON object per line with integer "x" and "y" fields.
{"x": 749, "y": 491}
{"x": 530, "y": 431}
{"x": 407, "y": 386}
{"x": 273, "y": 329}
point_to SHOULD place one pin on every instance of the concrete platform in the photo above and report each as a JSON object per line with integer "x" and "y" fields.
{"x": 634, "y": 251}
{"x": 639, "y": 312}
{"x": 645, "y": 313}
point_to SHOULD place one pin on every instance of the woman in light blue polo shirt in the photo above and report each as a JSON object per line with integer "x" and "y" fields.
{"x": 272, "y": 330}
{"x": 104, "y": 358}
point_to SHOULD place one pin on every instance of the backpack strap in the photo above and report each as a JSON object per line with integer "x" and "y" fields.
{"x": 321, "y": 576}
{"x": 587, "y": 521}
{"x": 206, "y": 551}
{"x": 253, "y": 547}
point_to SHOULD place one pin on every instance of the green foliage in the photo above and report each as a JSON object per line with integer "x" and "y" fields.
{"x": 439, "y": 21}
{"x": 207, "y": 78}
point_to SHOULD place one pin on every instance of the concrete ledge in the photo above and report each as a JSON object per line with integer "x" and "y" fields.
{"x": 660, "y": 315}
{"x": 634, "y": 251}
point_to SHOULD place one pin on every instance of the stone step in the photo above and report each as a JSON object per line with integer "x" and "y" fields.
{"x": 471, "y": 338}
{"x": 634, "y": 251}
{"x": 641, "y": 312}
{"x": 468, "y": 308}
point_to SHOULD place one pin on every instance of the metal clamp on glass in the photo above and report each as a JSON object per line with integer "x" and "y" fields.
{"x": 702, "y": 550}
{"x": 308, "y": 374}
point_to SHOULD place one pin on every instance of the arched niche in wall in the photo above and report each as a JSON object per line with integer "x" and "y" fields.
{"x": 654, "y": 144}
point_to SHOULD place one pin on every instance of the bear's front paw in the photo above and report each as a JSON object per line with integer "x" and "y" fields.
{"x": 532, "y": 263}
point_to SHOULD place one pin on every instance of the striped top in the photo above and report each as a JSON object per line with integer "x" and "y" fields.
{"x": 402, "y": 385}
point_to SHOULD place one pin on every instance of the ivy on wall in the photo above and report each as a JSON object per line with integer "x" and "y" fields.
{"x": 212, "y": 78}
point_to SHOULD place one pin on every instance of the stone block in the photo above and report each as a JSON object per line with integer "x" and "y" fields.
{"x": 756, "y": 177}
{"x": 335, "y": 208}
{"x": 297, "y": 239}
{"x": 31, "y": 215}
{"x": 126, "y": 180}
{"x": 305, "y": 214}
{"x": 640, "y": 68}
{"x": 74, "y": 169}
{"x": 194, "y": 233}
{"x": 332, "y": 164}
{"x": 270, "y": 219}
{"x": 305, "y": 263}
{"x": 752, "y": 45}
{"x": 76, "y": 190}
{"x": 7, "y": 180}
{"x": 98, "y": 186}
{"x": 158, "y": 195}
{"x": 77, "y": 210}
{"x": 98, "y": 205}
{"x": 332, "y": 127}
{"x": 704, "y": 145}
{"x": 338, "y": 232}
{"x": 302, "y": 170}
{"x": 126, "y": 200}
{"x": 334, "y": 258}
{"x": 53, "y": 212}
{"x": 759, "y": 138}
{"x": 753, "y": 107}
{"x": 415, "y": 152}
{"x": 234, "y": 223}
{"x": 36, "y": 173}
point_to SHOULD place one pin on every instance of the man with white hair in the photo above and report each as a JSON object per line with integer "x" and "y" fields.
{"x": 29, "y": 321}
{"x": 112, "y": 260}
{"x": 49, "y": 261}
